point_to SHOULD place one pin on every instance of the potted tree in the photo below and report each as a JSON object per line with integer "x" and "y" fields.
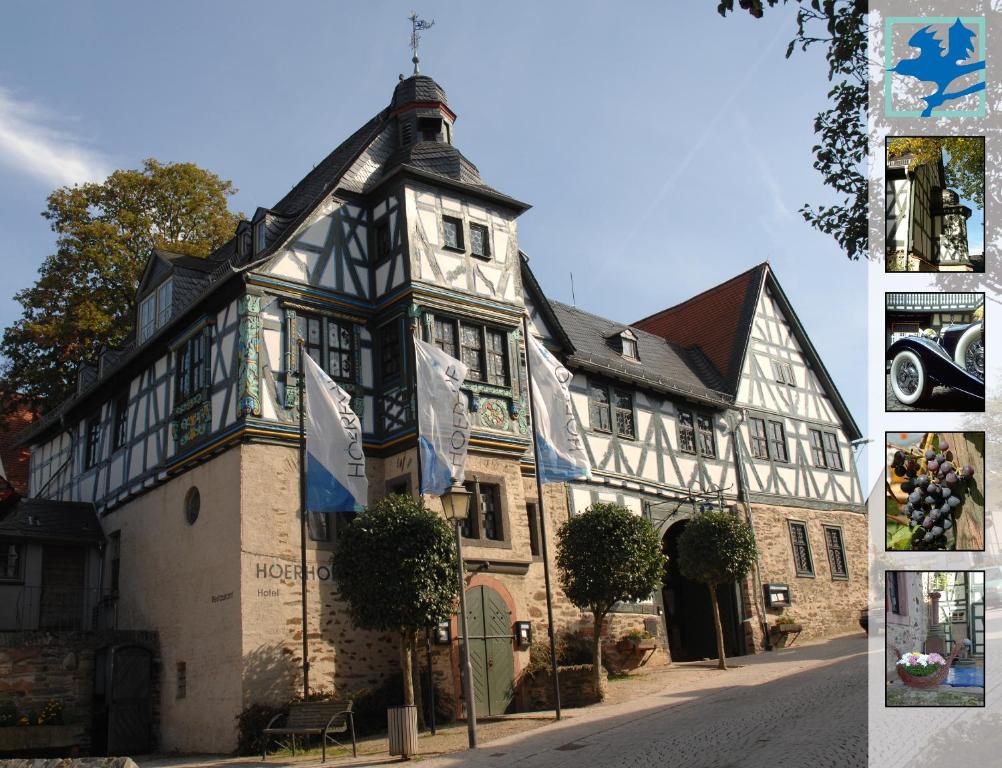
{"x": 604, "y": 555}
{"x": 395, "y": 565}
{"x": 716, "y": 548}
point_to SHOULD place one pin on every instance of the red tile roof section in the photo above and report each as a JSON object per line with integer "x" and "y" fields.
{"x": 15, "y": 460}
{"x": 717, "y": 321}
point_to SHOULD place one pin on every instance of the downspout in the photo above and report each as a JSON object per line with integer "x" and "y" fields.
{"x": 743, "y": 497}
{"x": 908, "y": 216}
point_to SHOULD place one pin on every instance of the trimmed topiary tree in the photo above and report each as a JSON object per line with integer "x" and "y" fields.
{"x": 395, "y": 566}
{"x": 605, "y": 555}
{"x": 716, "y": 548}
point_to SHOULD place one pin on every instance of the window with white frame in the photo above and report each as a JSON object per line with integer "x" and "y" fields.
{"x": 777, "y": 442}
{"x": 155, "y": 309}
{"x": 611, "y": 409}
{"x": 783, "y": 372}
{"x": 147, "y": 317}
{"x": 165, "y": 294}
{"x": 759, "y": 441}
{"x": 695, "y": 434}
{"x": 825, "y": 450}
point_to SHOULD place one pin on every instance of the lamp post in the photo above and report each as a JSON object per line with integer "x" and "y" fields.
{"x": 456, "y": 504}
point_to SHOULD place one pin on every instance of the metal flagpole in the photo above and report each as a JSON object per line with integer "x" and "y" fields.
{"x": 542, "y": 523}
{"x": 416, "y": 334}
{"x": 302, "y": 516}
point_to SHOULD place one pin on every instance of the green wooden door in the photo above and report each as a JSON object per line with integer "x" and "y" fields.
{"x": 491, "y": 657}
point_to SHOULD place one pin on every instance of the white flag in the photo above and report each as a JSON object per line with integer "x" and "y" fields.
{"x": 443, "y": 421}
{"x": 562, "y": 454}
{"x": 335, "y": 463}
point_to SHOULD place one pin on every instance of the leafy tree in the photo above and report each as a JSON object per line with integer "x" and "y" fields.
{"x": 395, "y": 565}
{"x": 963, "y": 156}
{"x": 716, "y": 548}
{"x": 840, "y": 155}
{"x": 84, "y": 297}
{"x": 605, "y": 555}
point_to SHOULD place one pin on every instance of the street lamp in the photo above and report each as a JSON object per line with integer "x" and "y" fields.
{"x": 456, "y": 504}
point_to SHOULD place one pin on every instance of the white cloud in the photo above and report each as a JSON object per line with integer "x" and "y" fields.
{"x": 30, "y": 144}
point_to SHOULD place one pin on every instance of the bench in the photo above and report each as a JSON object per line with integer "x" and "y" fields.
{"x": 313, "y": 718}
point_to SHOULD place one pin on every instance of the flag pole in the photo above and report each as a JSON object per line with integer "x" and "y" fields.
{"x": 302, "y": 515}
{"x": 415, "y": 334}
{"x": 542, "y": 523}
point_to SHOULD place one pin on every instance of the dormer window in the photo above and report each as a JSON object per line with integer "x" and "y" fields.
{"x": 165, "y": 294}
{"x": 147, "y": 317}
{"x": 244, "y": 242}
{"x": 260, "y": 236}
{"x": 155, "y": 309}
{"x": 630, "y": 348}
{"x": 626, "y": 340}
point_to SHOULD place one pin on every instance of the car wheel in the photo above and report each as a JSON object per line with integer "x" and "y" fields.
{"x": 970, "y": 352}
{"x": 909, "y": 381}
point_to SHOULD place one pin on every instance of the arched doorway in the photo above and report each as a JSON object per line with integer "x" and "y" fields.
{"x": 689, "y": 614}
{"x": 491, "y": 650}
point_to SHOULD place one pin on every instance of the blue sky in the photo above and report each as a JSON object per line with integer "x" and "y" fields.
{"x": 663, "y": 148}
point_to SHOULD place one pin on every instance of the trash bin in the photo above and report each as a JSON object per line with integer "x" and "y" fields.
{"x": 402, "y": 723}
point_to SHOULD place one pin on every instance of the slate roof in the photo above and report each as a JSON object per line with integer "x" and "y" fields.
{"x": 68, "y": 522}
{"x": 417, "y": 88}
{"x": 436, "y": 157}
{"x": 437, "y": 161}
{"x": 663, "y": 366}
{"x": 320, "y": 181}
{"x": 716, "y": 322}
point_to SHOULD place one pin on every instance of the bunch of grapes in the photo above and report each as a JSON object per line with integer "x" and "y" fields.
{"x": 935, "y": 488}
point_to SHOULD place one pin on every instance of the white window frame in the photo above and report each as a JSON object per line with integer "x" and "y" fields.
{"x": 165, "y": 297}
{"x": 147, "y": 317}
{"x": 155, "y": 310}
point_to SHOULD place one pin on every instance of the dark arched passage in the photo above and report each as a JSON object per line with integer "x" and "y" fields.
{"x": 688, "y": 613}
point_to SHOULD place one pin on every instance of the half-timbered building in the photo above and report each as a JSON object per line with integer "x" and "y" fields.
{"x": 186, "y": 440}
{"x": 926, "y": 223}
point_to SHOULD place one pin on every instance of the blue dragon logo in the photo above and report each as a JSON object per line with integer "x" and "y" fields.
{"x": 941, "y": 65}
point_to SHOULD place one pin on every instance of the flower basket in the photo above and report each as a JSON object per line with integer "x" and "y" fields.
{"x": 931, "y": 680}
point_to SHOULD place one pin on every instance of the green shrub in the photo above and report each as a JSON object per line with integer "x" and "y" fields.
{"x": 250, "y": 723}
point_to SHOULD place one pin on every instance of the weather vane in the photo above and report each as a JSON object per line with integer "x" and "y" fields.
{"x": 417, "y": 25}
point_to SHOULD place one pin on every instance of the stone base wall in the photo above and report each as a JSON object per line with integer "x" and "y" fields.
{"x": 37, "y": 667}
{"x": 577, "y": 688}
{"x": 823, "y": 605}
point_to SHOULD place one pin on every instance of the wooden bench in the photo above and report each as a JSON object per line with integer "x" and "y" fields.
{"x": 314, "y": 718}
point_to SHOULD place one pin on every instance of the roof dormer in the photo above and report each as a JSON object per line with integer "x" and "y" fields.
{"x": 624, "y": 341}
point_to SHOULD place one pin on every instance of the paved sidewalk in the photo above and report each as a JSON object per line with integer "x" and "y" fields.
{"x": 520, "y": 738}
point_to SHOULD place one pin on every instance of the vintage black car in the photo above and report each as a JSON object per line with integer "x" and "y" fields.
{"x": 954, "y": 357}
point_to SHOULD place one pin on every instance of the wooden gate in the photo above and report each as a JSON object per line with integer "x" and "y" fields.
{"x": 123, "y": 700}
{"x": 491, "y": 655}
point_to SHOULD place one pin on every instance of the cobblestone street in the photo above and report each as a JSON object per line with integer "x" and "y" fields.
{"x": 815, "y": 717}
{"x": 794, "y": 707}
